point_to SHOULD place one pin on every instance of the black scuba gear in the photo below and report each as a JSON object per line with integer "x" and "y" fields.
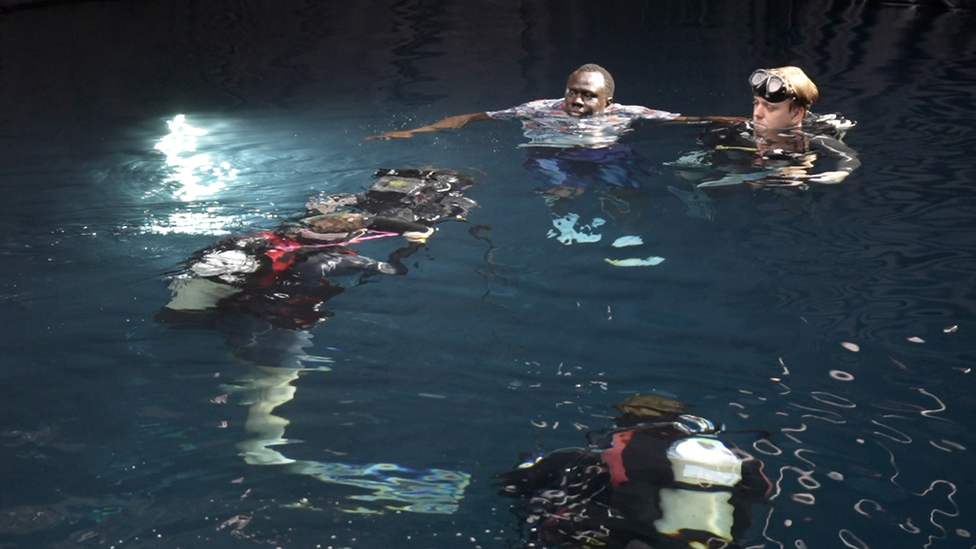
{"x": 426, "y": 195}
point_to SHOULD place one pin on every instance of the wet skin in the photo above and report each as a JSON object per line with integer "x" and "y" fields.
{"x": 775, "y": 116}
{"x": 586, "y": 94}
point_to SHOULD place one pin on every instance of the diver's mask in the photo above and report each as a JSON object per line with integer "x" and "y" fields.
{"x": 770, "y": 86}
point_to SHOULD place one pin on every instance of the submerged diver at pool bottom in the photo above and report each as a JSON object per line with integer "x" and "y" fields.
{"x": 660, "y": 479}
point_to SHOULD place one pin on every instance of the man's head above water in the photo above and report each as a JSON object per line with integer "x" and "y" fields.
{"x": 589, "y": 91}
{"x": 781, "y": 97}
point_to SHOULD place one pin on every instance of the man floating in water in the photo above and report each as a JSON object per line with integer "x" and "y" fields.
{"x": 780, "y": 145}
{"x": 585, "y": 116}
{"x": 660, "y": 478}
{"x": 573, "y": 146}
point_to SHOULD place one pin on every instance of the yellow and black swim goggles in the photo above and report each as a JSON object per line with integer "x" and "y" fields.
{"x": 770, "y": 86}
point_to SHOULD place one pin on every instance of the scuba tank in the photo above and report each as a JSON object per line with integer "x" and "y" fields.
{"x": 698, "y": 506}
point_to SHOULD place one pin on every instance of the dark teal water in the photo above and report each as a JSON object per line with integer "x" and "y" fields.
{"x": 841, "y": 319}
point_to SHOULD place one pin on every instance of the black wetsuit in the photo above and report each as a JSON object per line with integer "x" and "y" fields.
{"x": 616, "y": 493}
{"x": 732, "y": 148}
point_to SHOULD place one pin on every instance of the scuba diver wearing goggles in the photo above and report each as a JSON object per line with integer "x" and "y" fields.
{"x": 770, "y": 86}
{"x": 781, "y": 97}
{"x": 782, "y": 145}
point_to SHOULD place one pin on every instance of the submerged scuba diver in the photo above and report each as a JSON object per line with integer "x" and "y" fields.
{"x": 782, "y": 145}
{"x": 660, "y": 478}
{"x": 283, "y": 276}
{"x": 264, "y": 293}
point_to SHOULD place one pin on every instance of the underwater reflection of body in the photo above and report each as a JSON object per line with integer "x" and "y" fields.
{"x": 613, "y": 172}
{"x": 265, "y": 292}
{"x": 661, "y": 478}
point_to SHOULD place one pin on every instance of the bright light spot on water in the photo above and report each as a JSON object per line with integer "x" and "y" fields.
{"x": 194, "y": 178}
{"x": 191, "y": 223}
{"x": 196, "y": 175}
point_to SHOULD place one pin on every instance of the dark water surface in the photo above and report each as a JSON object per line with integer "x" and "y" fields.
{"x": 841, "y": 318}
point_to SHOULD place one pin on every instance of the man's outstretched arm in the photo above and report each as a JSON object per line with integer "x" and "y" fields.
{"x": 449, "y": 123}
{"x": 706, "y": 119}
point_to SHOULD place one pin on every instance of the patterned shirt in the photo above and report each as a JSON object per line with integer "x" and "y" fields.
{"x": 546, "y": 124}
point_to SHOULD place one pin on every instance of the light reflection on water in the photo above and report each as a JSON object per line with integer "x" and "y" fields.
{"x": 195, "y": 175}
{"x": 194, "y": 178}
{"x": 201, "y": 223}
{"x": 840, "y": 451}
{"x": 208, "y": 175}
